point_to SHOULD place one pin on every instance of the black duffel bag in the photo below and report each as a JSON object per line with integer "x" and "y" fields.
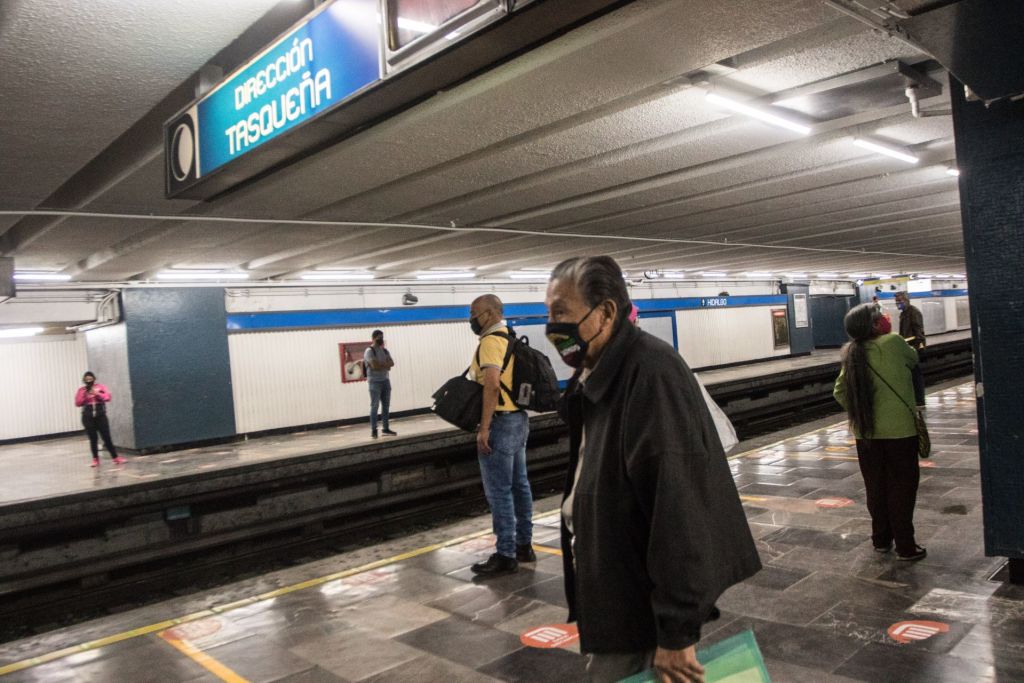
{"x": 460, "y": 402}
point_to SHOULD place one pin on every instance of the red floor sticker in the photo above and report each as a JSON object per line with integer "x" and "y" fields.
{"x": 194, "y": 630}
{"x": 910, "y": 631}
{"x": 927, "y": 463}
{"x": 830, "y": 503}
{"x": 552, "y": 635}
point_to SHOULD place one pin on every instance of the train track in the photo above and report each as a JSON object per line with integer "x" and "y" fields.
{"x": 421, "y": 489}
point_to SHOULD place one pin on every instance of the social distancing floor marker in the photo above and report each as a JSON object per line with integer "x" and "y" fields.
{"x": 550, "y": 636}
{"x": 832, "y": 503}
{"x": 912, "y": 631}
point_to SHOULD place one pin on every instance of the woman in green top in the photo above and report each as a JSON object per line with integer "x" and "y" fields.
{"x": 875, "y": 388}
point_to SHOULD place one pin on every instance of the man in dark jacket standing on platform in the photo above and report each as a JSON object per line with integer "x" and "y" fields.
{"x": 912, "y": 330}
{"x": 653, "y": 529}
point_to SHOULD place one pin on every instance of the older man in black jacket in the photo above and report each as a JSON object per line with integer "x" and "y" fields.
{"x": 653, "y": 529}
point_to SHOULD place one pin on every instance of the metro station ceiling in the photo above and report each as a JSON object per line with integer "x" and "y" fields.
{"x": 601, "y": 141}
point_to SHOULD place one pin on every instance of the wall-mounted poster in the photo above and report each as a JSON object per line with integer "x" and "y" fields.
{"x": 800, "y": 318}
{"x": 352, "y": 367}
{"x": 780, "y": 327}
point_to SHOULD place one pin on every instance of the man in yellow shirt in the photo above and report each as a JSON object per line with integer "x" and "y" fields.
{"x": 501, "y": 442}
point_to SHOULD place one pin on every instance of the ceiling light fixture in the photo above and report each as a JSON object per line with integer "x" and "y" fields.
{"x": 530, "y": 274}
{"x": 857, "y": 276}
{"x": 953, "y": 171}
{"x": 328, "y": 275}
{"x": 759, "y": 113}
{"x": 40, "y": 276}
{"x": 13, "y": 333}
{"x": 713, "y": 273}
{"x": 759, "y": 275}
{"x": 193, "y": 275}
{"x": 887, "y": 150}
{"x": 795, "y": 276}
{"x": 442, "y": 275}
{"x": 828, "y": 276}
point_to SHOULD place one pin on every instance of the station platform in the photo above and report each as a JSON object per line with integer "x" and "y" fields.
{"x": 59, "y": 467}
{"x": 825, "y": 608}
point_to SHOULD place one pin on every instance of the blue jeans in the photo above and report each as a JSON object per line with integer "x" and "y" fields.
{"x": 505, "y": 481}
{"x": 380, "y": 394}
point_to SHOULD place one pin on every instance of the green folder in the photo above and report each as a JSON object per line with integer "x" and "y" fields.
{"x": 733, "y": 660}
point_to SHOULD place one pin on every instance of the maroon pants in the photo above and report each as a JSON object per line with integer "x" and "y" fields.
{"x": 891, "y": 475}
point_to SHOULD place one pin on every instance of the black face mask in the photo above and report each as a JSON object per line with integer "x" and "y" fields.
{"x": 565, "y": 337}
{"x": 379, "y": 341}
{"x": 474, "y": 324}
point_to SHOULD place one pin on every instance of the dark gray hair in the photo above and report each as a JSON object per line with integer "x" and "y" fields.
{"x": 598, "y": 279}
{"x": 860, "y": 403}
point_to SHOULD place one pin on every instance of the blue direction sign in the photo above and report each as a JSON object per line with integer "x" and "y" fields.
{"x": 323, "y": 61}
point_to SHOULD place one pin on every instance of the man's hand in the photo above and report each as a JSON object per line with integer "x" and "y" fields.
{"x": 678, "y": 666}
{"x": 482, "y": 438}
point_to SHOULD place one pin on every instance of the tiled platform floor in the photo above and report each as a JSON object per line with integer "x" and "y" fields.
{"x": 61, "y": 466}
{"x": 821, "y": 608}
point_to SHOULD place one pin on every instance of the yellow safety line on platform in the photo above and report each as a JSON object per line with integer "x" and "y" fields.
{"x": 547, "y": 549}
{"x": 221, "y": 609}
{"x": 204, "y": 660}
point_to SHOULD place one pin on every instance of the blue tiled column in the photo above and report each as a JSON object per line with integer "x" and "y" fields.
{"x": 990, "y": 155}
{"x": 169, "y": 361}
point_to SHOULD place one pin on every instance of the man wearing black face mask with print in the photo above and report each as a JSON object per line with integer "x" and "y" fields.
{"x": 653, "y": 530}
{"x": 501, "y": 442}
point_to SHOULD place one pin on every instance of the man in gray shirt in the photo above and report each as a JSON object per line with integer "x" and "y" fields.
{"x": 378, "y": 368}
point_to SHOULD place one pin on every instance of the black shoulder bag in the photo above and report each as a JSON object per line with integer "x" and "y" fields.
{"x": 459, "y": 401}
{"x": 924, "y": 441}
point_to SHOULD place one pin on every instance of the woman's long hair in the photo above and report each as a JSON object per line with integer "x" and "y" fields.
{"x": 860, "y": 405}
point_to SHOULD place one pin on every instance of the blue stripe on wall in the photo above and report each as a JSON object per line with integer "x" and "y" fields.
{"x": 238, "y": 322}
{"x": 926, "y": 295}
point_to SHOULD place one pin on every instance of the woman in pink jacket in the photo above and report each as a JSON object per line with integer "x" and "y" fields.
{"x": 92, "y": 398}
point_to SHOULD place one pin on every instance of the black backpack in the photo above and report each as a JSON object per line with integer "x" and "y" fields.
{"x": 534, "y": 384}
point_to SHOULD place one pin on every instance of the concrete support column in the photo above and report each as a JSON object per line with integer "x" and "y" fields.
{"x": 168, "y": 368}
{"x": 990, "y": 156}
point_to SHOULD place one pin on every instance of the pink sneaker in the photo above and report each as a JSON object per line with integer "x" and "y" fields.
{"x": 95, "y": 462}
{"x": 119, "y": 460}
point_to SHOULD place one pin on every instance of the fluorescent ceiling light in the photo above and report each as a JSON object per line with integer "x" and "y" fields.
{"x": 796, "y": 276}
{"x": 857, "y": 276}
{"x": 712, "y": 273}
{"x": 191, "y": 275}
{"x": 955, "y": 172}
{"x": 960, "y": 276}
{"x": 673, "y": 275}
{"x": 12, "y": 333}
{"x": 41, "y": 276}
{"x": 337, "y": 275}
{"x": 529, "y": 274}
{"x": 828, "y": 276}
{"x": 441, "y": 275}
{"x": 759, "y": 113}
{"x": 450, "y": 269}
{"x": 894, "y": 152}
{"x": 882, "y": 276}
{"x": 758, "y": 274}
{"x": 943, "y": 276}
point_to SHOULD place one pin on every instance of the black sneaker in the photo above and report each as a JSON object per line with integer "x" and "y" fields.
{"x": 373, "y": 433}
{"x": 496, "y": 564}
{"x": 388, "y": 432}
{"x": 524, "y": 553}
{"x": 918, "y": 554}
{"x": 883, "y": 548}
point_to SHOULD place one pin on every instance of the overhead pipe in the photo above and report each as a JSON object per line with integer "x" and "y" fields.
{"x": 915, "y": 105}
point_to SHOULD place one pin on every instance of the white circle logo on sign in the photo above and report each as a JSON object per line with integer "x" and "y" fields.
{"x": 183, "y": 152}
